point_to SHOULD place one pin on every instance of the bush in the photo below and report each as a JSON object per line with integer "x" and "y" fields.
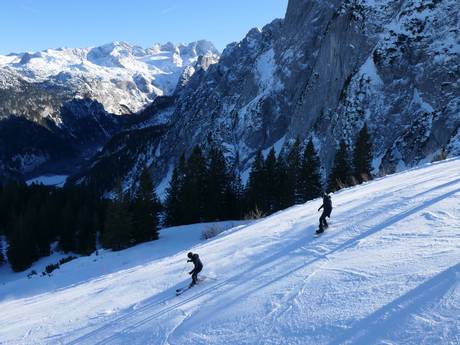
{"x": 51, "y": 267}
{"x": 254, "y": 214}
{"x": 31, "y": 274}
{"x": 67, "y": 259}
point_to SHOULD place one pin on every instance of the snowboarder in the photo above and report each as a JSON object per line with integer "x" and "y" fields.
{"x": 196, "y": 269}
{"x": 327, "y": 209}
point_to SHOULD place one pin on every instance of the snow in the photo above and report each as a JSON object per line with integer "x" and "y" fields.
{"x": 162, "y": 187}
{"x": 115, "y": 74}
{"x": 278, "y": 145}
{"x": 387, "y": 271}
{"x": 49, "y": 180}
{"x": 266, "y": 72}
{"x": 368, "y": 70}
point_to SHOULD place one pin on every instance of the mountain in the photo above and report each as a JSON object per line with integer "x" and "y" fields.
{"x": 385, "y": 272}
{"x": 322, "y": 72}
{"x": 122, "y": 77}
{"x": 77, "y": 99}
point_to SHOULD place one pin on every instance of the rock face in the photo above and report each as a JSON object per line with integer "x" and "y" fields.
{"x": 322, "y": 72}
{"x": 71, "y": 97}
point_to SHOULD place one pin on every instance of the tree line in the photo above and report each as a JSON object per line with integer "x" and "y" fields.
{"x": 203, "y": 187}
{"x": 74, "y": 219}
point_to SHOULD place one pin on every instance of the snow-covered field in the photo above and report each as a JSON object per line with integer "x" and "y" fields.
{"x": 387, "y": 271}
{"x": 49, "y": 180}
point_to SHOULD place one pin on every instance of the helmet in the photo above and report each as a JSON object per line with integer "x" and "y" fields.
{"x": 190, "y": 254}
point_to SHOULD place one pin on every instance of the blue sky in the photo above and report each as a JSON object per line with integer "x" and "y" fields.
{"x": 31, "y": 25}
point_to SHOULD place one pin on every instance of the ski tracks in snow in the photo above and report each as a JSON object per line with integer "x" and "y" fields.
{"x": 386, "y": 270}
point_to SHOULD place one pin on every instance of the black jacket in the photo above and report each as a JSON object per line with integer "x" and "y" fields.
{"x": 197, "y": 262}
{"x": 327, "y": 204}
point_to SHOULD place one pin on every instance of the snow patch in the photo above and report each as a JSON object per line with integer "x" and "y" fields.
{"x": 49, "y": 180}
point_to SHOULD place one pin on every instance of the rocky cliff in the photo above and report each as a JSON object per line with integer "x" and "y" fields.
{"x": 321, "y": 72}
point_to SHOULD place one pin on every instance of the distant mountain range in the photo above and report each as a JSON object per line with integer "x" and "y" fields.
{"x": 58, "y": 106}
{"x": 322, "y": 72}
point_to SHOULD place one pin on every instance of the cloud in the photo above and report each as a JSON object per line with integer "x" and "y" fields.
{"x": 168, "y": 9}
{"x": 29, "y": 9}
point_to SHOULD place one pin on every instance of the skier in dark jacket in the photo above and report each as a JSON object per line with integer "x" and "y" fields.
{"x": 327, "y": 209}
{"x": 196, "y": 269}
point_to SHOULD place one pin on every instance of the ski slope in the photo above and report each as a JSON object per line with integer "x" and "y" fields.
{"x": 387, "y": 271}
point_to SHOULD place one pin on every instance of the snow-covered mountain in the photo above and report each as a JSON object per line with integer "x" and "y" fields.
{"x": 122, "y": 77}
{"x": 323, "y": 71}
{"x": 58, "y": 107}
{"x": 387, "y": 271}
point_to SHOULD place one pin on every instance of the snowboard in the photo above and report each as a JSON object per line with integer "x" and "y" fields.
{"x": 317, "y": 233}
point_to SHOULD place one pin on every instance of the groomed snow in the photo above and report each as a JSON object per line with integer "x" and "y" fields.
{"x": 387, "y": 271}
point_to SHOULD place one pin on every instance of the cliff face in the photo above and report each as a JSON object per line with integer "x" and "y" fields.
{"x": 321, "y": 72}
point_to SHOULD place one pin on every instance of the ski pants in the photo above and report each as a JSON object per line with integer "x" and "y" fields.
{"x": 322, "y": 220}
{"x": 195, "y": 275}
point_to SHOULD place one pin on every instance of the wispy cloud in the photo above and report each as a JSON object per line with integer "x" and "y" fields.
{"x": 168, "y": 9}
{"x": 28, "y": 8}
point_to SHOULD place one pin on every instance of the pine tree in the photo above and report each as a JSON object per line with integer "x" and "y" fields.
{"x": 174, "y": 199}
{"x": 22, "y": 250}
{"x": 293, "y": 165}
{"x": 255, "y": 190}
{"x": 67, "y": 238}
{"x": 270, "y": 182}
{"x": 235, "y": 197}
{"x": 218, "y": 185}
{"x": 119, "y": 224}
{"x": 341, "y": 172}
{"x": 146, "y": 207}
{"x": 310, "y": 176}
{"x": 195, "y": 187}
{"x": 85, "y": 235}
{"x": 283, "y": 186}
{"x": 362, "y": 156}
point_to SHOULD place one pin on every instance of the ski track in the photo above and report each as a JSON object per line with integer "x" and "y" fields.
{"x": 386, "y": 271}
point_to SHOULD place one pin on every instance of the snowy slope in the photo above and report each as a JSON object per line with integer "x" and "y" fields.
{"x": 386, "y": 271}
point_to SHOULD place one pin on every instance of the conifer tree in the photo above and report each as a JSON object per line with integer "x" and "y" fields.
{"x": 85, "y": 234}
{"x": 174, "y": 198}
{"x": 22, "y": 251}
{"x": 235, "y": 197}
{"x": 146, "y": 207}
{"x": 341, "y": 172}
{"x": 293, "y": 165}
{"x": 119, "y": 224}
{"x": 67, "y": 238}
{"x": 270, "y": 182}
{"x": 255, "y": 190}
{"x": 310, "y": 176}
{"x": 194, "y": 188}
{"x": 218, "y": 185}
{"x": 283, "y": 186}
{"x": 362, "y": 156}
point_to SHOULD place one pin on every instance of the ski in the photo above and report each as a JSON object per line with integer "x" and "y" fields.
{"x": 182, "y": 290}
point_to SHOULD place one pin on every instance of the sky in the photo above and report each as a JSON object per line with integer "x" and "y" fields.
{"x": 32, "y": 25}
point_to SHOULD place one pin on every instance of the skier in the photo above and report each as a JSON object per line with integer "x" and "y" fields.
{"x": 196, "y": 269}
{"x": 327, "y": 209}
